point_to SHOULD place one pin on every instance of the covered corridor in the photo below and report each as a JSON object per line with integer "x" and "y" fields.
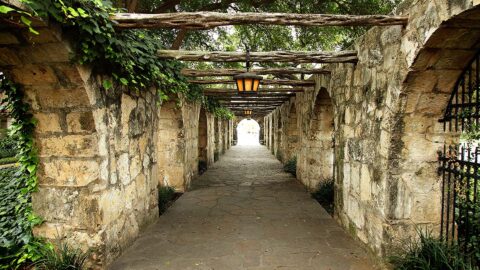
{"x": 245, "y": 213}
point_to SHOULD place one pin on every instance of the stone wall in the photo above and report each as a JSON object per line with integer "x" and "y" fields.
{"x": 178, "y": 143}
{"x": 385, "y": 112}
{"x": 97, "y": 172}
{"x": 209, "y": 138}
{"x": 102, "y": 153}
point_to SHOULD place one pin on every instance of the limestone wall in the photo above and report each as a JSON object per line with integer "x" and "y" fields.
{"x": 97, "y": 172}
{"x": 385, "y": 112}
{"x": 178, "y": 143}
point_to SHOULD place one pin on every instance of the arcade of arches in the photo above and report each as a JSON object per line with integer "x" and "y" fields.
{"x": 371, "y": 126}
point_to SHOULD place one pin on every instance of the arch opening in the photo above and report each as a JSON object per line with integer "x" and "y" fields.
{"x": 320, "y": 154}
{"x": 248, "y": 132}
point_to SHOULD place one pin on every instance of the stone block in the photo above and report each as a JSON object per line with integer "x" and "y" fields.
{"x": 72, "y": 173}
{"x": 8, "y": 57}
{"x": 34, "y": 75}
{"x": 47, "y": 123}
{"x": 78, "y": 122}
{"x": 69, "y": 146}
{"x": 58, "y": 98}
{"x": 72, "y": 206}
{"x": 365, "y": 184}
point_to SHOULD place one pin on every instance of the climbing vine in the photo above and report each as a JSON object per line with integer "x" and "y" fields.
{"x": 17, "y": 243}
{"x": 128, "y": 57}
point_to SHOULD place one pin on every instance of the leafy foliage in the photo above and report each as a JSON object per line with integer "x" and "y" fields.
{"x": 165, "y": 197}
{"x": 62, "y": 258}
{"x": 17, "y": 243}
{"x": 325, "y": 195}
{"x": 291, "y": 166}
{"x": 8, "y": 147}
{"x": 128, "y": 57}
{"x": 8, "y": 160}
{"x": 429, "y": 253}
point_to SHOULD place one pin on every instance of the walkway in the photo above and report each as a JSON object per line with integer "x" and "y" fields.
{"x": 245, "y": 213}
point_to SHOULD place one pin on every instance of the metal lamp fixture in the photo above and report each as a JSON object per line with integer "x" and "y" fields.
{"x": 248, "y": 82}
{"x": 248, "y": 114}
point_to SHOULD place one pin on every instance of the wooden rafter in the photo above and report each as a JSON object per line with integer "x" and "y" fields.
{"x": 263, "y": 71}
{"x": 260, "y": 90}
{"x": 208, "y": 20}
{"x": 263, "y": 82}
{"x": 273, "y": 56}
{"x": 234, "y": 94}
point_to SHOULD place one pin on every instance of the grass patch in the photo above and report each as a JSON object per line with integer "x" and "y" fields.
{"x": 429, "y": 253}
{"x": 325, "y": 195}
{"x": 62, "y": 258}
{"x": 291, "y": 166}
{"x": 166, "y": 197}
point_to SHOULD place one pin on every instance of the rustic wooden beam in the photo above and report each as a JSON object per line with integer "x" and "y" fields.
{"x": 260, "y": 90}
{"x": 273, "y": 56}
{"x": 234, "y": 94}
{"x": 208, "y": 20}
{"x": 263, "y": 71}
{"x": 263, "y": 82}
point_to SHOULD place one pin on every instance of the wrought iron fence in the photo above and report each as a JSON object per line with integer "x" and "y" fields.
{"x": 460, "y": 165}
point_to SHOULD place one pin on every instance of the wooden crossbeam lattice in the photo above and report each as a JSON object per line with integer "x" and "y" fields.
{"x": 260, "y": 90}
{"x": 263, "y": 71}
{"x": 273, "y": 56}
{"x": 263, "y": 82}
{"x": 208, "y": 20}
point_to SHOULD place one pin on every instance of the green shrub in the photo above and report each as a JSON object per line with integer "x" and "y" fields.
{"x": 8, "y": 147}
{"x": 62, "y": 258}
{"x": 15, "y": 229}
{"x": 429, "y": 253}
{"x": 8, "y": 160}
{"x": 324, "y": 194}
{"x": 291, "y": 166}
{"x": 165, "y": 197}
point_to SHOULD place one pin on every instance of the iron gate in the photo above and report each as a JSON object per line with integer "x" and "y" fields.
{"x": 460, "y": 165}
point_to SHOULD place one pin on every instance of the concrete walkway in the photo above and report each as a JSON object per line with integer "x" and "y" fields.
{"x": 245, "y": 213}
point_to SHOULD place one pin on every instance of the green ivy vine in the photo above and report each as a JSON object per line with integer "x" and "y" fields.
{"x": 17, "y": 243}
{"x": 128, "y": 57}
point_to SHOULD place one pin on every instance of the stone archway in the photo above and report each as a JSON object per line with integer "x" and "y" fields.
{"x": 318, "y": 142}
{"x": 292, "y": 134}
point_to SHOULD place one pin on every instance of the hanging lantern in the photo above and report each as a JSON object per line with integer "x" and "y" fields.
{"x": 248, "y": 82}
{"x": 248, "y": 114}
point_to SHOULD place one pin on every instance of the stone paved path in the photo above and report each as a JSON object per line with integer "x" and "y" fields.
{"x": 245, "y": 213}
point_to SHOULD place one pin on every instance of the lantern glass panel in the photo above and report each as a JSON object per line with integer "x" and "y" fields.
{"x": 248, "y": 84}
{"x": 240, "y": 85}
{"x": 256, "y": 83}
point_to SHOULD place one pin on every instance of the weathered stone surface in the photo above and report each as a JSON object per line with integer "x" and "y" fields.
{"x": 245, "y": 213}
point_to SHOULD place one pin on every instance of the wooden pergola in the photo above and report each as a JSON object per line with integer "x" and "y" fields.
{"x": 273, "y": 92}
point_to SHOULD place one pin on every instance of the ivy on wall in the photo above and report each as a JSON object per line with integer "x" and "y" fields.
{"x": 17, "y": 243}
{"x": 128, "y": 57}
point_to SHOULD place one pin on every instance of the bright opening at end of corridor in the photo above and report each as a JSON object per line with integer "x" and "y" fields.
{"x": 248, "y": 132}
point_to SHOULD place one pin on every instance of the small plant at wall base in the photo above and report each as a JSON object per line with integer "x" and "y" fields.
{"x": 291, "y": 166}
{"x": 429, "y": 253}
{"x": 63, "y": 257}
{"x": 325, "y": 195}
{"x": 166, "y": 196}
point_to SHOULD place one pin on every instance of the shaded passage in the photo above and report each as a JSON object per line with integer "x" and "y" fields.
{"x": 245, "y": 213}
